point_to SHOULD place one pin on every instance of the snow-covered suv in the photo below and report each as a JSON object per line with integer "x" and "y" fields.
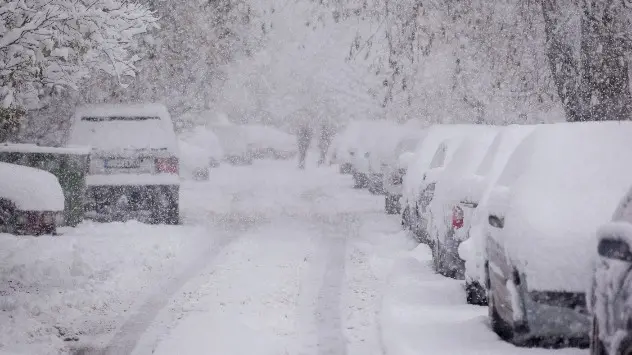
{"x": 134, "y": 163}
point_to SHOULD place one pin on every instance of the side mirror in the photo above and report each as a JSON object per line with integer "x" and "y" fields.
{"x": 496, "y": 222}
{"x": 614, "y": 249}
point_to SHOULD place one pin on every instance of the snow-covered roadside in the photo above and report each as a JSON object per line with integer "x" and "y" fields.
{"x": 425, "y": 313}
{"x": 60, "y": 292}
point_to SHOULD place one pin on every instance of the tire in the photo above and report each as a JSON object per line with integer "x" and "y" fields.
{"x": 475, "y": 294}
{"x": 498, "y": 325}
{"x": 596, "y": 345}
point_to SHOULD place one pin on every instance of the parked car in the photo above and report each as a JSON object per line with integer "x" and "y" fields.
{"x": 424, "y": 152}
{"x": 345, "y": 145}
{"x": 477, "y": 188}
{"x": 559, "y": 185}
{"x": 268, "y": 142}
{"x": 134, "y": 163}
{"x": 376, "y": 139}
{"x": 449, "y": 212}
{"x": 394, "y": 168}
{"x": 610, "y": 293}
{"x": 200, "y": 151}
{"x": 31, "y": 201}
{"x": 384, "y": 155}
{"x": 436, "y": 171}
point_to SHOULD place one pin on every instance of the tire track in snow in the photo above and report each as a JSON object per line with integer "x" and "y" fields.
{"x": 230, "y": 227}
{"x": 331, "y": 337}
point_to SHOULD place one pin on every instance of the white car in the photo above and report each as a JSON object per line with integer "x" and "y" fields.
{"x": 475, "y": 193}
{"x": 345, "y": 145}
{"x": 560, "y": 184}
{"x": 200, "y": 150}
{"x": 452, "y": 204}
{"x": 394, "y": 169}
{"x": 31, "y": 200}
{"x": 268, "y": 142}
{"x": 134, "y": 163}
{"x": 376, "y": 141}
{"x": 412, "y": 182}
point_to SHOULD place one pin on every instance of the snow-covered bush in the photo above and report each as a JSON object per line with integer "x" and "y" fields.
{"x": 47, "y": 45}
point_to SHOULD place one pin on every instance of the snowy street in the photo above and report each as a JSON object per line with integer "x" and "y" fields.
{"x": 270, "y": 260}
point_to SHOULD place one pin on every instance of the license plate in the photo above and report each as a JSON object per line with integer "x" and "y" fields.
{"x": 122, "y": 163}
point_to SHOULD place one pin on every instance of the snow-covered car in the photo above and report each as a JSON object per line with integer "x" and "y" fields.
{"x": 560, "y": 184}
{"x": 200, "y": 150}
{"x": 474, "y": 205}
{"x": 453, "y": 202}
{"x": 345, "y": 146}
{"x": 436, "y": 170}
{"x": 374, "y": 146}
{"x": 267, "y": 142}
{"x": 611, "y": 290}
{"x": 234, "y": 142}
{"x": 424, "y": 152}
{"x": 392, "y": 182}
{"x": 31, "y": 200}
{"x": 134, "y": 163}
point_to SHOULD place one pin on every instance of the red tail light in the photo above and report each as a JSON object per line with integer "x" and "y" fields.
{"x": 457, "y": 217}
{"x": 167, "y": 165}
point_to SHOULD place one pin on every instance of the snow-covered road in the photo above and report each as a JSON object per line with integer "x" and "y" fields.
{"x": 270, "y": 260}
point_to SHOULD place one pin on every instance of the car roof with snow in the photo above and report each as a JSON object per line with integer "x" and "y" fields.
{"x": 30, "y": 189}
{"x": 109, "y": 127}
{"x": 427, "y": 147}
{"x": 559, "y": 185}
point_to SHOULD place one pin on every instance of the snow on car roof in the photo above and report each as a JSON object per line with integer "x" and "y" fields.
{"x": 30, "y": 189}
{"x": 152, "y": 130}
{"x": 564, "y": 180}
{"x": 427, "y": 147}
{"x": 34, "y": 148}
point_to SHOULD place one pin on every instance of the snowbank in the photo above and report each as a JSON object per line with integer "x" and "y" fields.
{"x": 425, "y": 313}
{"x": 30, "y": 189}
{"x": 564, "y": 180}
{"x": 60, "y": 291}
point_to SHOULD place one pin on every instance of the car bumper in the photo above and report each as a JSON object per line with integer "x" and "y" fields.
{"x": 124, "y": 202}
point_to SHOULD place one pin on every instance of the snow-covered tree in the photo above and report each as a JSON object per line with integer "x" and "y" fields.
{"x": 46, "y": 45}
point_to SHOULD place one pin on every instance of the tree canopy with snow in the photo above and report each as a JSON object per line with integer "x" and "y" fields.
{"x": 47, "y": 45}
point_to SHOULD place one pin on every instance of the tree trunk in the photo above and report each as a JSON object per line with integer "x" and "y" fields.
{"x": 564, "y": 66}
{"x": 605, "y": 84}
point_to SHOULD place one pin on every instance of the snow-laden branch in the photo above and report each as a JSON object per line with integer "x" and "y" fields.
{"x": 47, "y": 44}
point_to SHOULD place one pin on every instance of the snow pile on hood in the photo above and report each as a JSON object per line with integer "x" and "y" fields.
{"x": 112, "y": 127}
{"x": 451, "y": 188}
{"x": 566, "y": 181}
{"x": 481, "y": 183}
{"x": 425, "y": 152}
{"x": 358, "y": 138}
{"x": 30, "y": 189}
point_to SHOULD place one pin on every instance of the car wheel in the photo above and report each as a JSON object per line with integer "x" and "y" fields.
{"x": 475, "y": 294}
{"x": 596, "y": 345}
{"x": 498, "y": 325}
